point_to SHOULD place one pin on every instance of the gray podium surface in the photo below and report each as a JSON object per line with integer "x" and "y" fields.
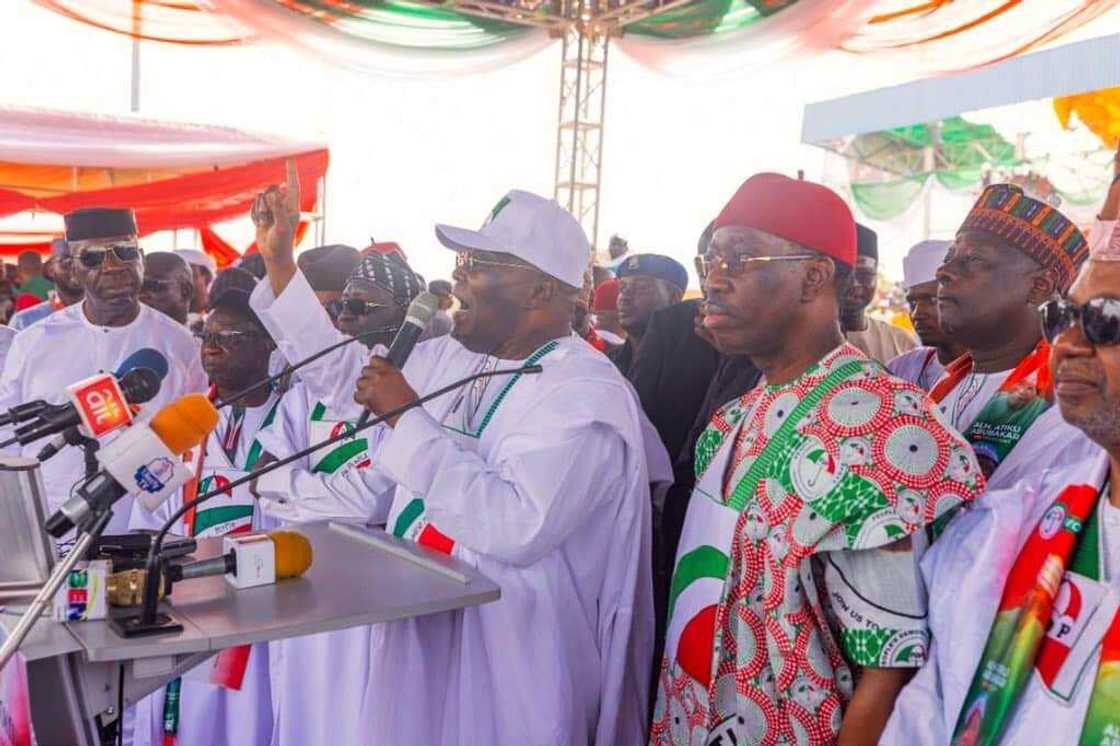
{"x": 350, "y": 583}
{"x": 358, "y": 576}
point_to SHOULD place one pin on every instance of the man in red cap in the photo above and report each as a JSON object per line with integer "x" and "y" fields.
{"x": 795, "y": 610}
{"x": 604, "y": 306}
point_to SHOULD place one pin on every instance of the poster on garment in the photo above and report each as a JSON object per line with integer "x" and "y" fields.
{"x": 15, "y": 703}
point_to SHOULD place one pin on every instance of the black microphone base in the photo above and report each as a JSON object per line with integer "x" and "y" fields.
{"x": 134, "y": 625}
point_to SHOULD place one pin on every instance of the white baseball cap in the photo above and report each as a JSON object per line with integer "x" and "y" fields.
{"x": 202, "y": 259}
{"x": 531, "y": 228}
{"x": 922, "y": 262}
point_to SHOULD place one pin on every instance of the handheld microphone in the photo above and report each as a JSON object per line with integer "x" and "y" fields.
{"x": 249, "y": 560}
{"x": 145, "y": 460}
{"x": 145, "y": 358}
{"x": 100, "y": 404}
{"x": 420, "y": 312}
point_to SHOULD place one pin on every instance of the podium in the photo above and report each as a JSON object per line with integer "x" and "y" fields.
{"x": 77, "y": 671}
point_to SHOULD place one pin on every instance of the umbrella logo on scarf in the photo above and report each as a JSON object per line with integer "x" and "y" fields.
{"x": 342, "y": 429}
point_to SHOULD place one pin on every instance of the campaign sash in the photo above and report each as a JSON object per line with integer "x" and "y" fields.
{"x": 1063, "y": 546}
{"x": 1026, "y": 394}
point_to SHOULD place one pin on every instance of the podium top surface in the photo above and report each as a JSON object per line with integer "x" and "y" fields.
{"x": 358, "y": 576}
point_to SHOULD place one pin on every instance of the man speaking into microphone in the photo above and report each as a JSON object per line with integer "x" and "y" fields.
{"x": 94, "y": 337}
{"x": 540, "y": 481}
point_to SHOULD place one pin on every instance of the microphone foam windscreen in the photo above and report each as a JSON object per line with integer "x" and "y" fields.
{"x": 293, "y": 553}
{"x": 139, "y": 385}
{"x": 144, "y": 358}
{"x": 422, "y": 309}
{"x": 183, "y": 423}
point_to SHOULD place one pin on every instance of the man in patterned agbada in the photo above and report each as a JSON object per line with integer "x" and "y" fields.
{"x": 796, "y": 610}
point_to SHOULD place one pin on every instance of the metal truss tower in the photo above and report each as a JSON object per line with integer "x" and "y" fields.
{"x": 586, "y": 28}
{"x": 579, "y": 135}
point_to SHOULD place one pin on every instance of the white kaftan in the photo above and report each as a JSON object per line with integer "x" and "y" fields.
{"x": 1049, "y": 441}
{"x": 920, "y": 367}
{"x": 966, "y": 570}
{"x": 542, "y": 484}
{"x": 65, "y": 348}
{"x": 209, "y": 713}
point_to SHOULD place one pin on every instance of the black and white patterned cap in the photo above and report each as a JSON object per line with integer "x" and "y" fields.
{"x": 392, "y": 275}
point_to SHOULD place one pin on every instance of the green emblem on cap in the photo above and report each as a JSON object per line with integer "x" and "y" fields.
{"x": 497, "y": 209}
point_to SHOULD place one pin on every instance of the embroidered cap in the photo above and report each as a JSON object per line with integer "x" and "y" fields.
{"x": 532, "y": 228}
{"x": 388, "y": 272}
{"x": 1033, "y": 227}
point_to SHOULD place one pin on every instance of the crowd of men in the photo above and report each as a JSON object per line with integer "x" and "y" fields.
{"x": 757, "y": 517}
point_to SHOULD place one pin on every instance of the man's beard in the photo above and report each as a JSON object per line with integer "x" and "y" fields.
{"x": 1101, "y": 425}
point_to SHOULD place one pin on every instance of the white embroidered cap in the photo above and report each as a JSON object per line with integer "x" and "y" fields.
{"x": 922, "y": 262}
{"x": 532, "y": 228}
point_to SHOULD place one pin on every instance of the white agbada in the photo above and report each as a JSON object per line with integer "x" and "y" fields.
{"x": 966, "y": 570}
{"x": 318, "y": 681}
{"x": 208, "y": 713}
{"x": 65, "y": 348}
{"x": 920, "y": 367}
{"x": 328, "y": 485}
{"x": 1050, "y": 441}
{"x": 546, "y": 491}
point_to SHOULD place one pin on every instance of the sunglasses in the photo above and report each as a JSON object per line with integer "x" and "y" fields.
{"x": 468, "y": 262}
{"x": 227, "y": 339}
{"x": 353, "y": 306}
{"x": 737, "y": 264}
{"x": 1099, "y": 319}
{"x": 94, "y": 257}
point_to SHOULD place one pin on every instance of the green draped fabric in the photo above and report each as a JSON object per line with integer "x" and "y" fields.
{"x": 411, "y": 25}
{"x": 885, "y": 200}
{"x": 707, "y": 17}
{"x": 960, "y": 179}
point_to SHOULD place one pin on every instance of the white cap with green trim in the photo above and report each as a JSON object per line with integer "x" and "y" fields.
{"x": 532, "y": 228}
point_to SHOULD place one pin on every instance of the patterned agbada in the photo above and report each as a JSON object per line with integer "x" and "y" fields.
{"x": 768, "y": 612}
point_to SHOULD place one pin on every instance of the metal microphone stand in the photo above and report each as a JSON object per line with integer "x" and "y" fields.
{"x": 56, "y": 579}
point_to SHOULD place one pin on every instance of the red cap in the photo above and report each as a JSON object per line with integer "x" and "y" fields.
{"x": 606, "y": 296}
{"x": 806, "y": 213}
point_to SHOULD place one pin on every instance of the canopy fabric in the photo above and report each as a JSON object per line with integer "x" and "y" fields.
{"x": 913, "y": 38}
{"x": 171, "y": 21}
{"x": 172, "y": 175}
{"x": 54, "y": 138}
{"x": 392, "y": 38}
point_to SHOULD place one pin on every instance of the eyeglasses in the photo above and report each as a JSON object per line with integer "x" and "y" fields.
{"x": 468, "y": 262}
{"x": 737, "y": 264}
{"x": 354, "y": 306}
{"x": 1099, "y": 319}
{"x": 227, "y": 339}
{"x": 94, "y": 256}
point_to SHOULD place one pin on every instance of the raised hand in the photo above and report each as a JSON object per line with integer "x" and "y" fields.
{"x": 275, "y": 214}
